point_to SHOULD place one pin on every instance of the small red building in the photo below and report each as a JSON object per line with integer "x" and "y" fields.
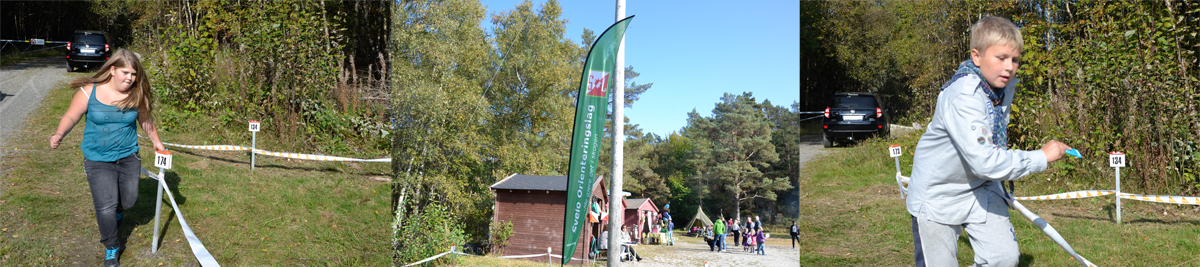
{"x": 640, "y": 214}
{"x": 536, "y": 206}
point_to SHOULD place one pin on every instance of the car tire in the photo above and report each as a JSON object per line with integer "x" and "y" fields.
{"x": 825, "y": 140}
{"x": 70, "y": 68}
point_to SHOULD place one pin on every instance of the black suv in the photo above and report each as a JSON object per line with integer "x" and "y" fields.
{"x": 851, "y": 115}
{"x": 88, "y": 48}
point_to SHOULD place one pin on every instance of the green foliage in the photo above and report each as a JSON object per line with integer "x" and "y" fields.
{"x": 442, "y": 61}
{"x": 740, "y": 150}
{"x": 501, "y": 231}
{"x": 430, "y": 231}
{"x": 282, "y": 63}
{"x": 473, "y": 106}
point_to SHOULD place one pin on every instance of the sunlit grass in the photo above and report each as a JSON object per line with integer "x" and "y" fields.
{"x": 285, "y": 212}
{"x": 852, "y": 214}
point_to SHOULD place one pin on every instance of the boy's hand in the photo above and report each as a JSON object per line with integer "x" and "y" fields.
{"x": 1054, "y": 150}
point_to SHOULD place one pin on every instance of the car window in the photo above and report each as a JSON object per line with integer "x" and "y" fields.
{"x": 853, "y": 102}
{"x": 90, "y": 39}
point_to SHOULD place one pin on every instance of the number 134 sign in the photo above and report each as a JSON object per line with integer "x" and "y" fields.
{"x": 1116, "y": 159}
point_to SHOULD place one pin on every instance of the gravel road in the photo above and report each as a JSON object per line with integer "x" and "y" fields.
{"x": 23, "y": 85}
{"x": 691, "y": 251}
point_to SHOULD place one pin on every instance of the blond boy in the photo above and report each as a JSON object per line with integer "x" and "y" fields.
{"x": 963, "y": 156}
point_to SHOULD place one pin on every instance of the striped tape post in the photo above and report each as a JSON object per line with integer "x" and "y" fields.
{"x": 1117, "y": 160}
{"x": 894, "y": 152}
{"x": 162, "y": 160}
{"x": 202, "y": 255}
{"x": 253, "y": 141}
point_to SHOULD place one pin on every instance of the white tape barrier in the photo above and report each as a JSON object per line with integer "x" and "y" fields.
{"x": 452, "y": 251}
{"x": 1046, "y": 228}
{"x": 1088, "y": 193}
{"x": 430, "y": 258}
{"x": 1163, "y": 199}
{"x": 902, "y": 181}
{"x": 206, "y": 259}
{"x": 1070, "y": 195}
{"x": 316, "y": 157}
{"x": 1049, "y": 230}
{"x": 277, "y": 154}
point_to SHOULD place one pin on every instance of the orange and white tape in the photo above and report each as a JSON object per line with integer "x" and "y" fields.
{"x": 1070, "y": 195}
{"x": 277, "y": 154}
{"x": 215, "y": 147}
{"x": 1163, "y": 199}
{"x": 316, "y": 157}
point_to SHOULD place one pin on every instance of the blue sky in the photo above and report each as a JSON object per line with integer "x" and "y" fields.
{"x": 695, "y": 51}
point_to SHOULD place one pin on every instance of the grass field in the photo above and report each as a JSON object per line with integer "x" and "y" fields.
{"x": 852, "y": 215}
{"x": 284, "y": 213}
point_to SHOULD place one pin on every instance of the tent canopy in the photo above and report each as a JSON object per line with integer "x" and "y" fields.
{"x": 700, "y": 217}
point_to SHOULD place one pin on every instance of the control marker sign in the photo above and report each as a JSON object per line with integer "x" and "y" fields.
{"x": 1116, "y": 159}
{"x": 162, "y": 159}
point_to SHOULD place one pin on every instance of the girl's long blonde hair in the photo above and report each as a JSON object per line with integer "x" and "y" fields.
{"x": 140, "y": 95}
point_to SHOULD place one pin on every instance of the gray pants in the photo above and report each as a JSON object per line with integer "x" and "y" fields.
{"x": 114, "y": 189}
{"x": 994, "y": 241}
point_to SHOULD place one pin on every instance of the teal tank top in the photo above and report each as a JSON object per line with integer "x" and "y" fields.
{"x": 109, "y": 134}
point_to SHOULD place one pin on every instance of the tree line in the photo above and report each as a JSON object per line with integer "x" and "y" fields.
{"x": 313, "y": 70}
{"x": 1100, "y": 76}
{"x": 475, "y": 104}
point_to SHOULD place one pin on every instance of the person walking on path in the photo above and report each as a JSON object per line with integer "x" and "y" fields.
{"x": 795, "y": 234}
{"x": 719, "y": 233}
{"x": 760, "y": 238}
{"x": 115, "y": 100}
{"x": 735, "y": 229}
{"x": 670, "y": 225}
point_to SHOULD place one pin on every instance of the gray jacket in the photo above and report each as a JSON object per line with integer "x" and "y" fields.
{"x": 955, "y": 165}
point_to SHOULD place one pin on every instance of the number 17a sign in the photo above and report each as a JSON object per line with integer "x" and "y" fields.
{"x": 894, "y": 151}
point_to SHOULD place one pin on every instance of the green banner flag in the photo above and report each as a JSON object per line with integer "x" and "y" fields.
{"x": 590, "y": 110}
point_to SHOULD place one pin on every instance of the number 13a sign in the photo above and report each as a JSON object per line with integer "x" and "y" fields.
{"x": 162, "y": 159}
{"x": 253, "y": 126}
{"x": 1116, "y": 159}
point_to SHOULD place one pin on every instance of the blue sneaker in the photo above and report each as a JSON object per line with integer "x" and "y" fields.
{"x": 110, "y": 257}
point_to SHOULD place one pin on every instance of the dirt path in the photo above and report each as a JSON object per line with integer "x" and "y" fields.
{"x": 23, "y": 85}
{"x": 691, "y": 251}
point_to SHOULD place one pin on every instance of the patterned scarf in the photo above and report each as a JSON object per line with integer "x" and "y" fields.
{"x": 999, "y": 117}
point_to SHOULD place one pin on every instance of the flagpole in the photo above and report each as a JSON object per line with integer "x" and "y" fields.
{"x": 616, "y": 215}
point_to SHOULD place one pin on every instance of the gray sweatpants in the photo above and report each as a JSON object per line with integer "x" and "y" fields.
{"x": 994, "y": 241}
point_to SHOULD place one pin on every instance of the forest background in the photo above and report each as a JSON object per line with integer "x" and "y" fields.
{"x": 313, "y": 72}
{"x": 1099, "y": 76}
{"x": 476, "y": 104}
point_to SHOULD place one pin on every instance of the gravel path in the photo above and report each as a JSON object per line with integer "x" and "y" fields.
{"x": 691, "y": 251}
{"x": 23, "y": 85}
